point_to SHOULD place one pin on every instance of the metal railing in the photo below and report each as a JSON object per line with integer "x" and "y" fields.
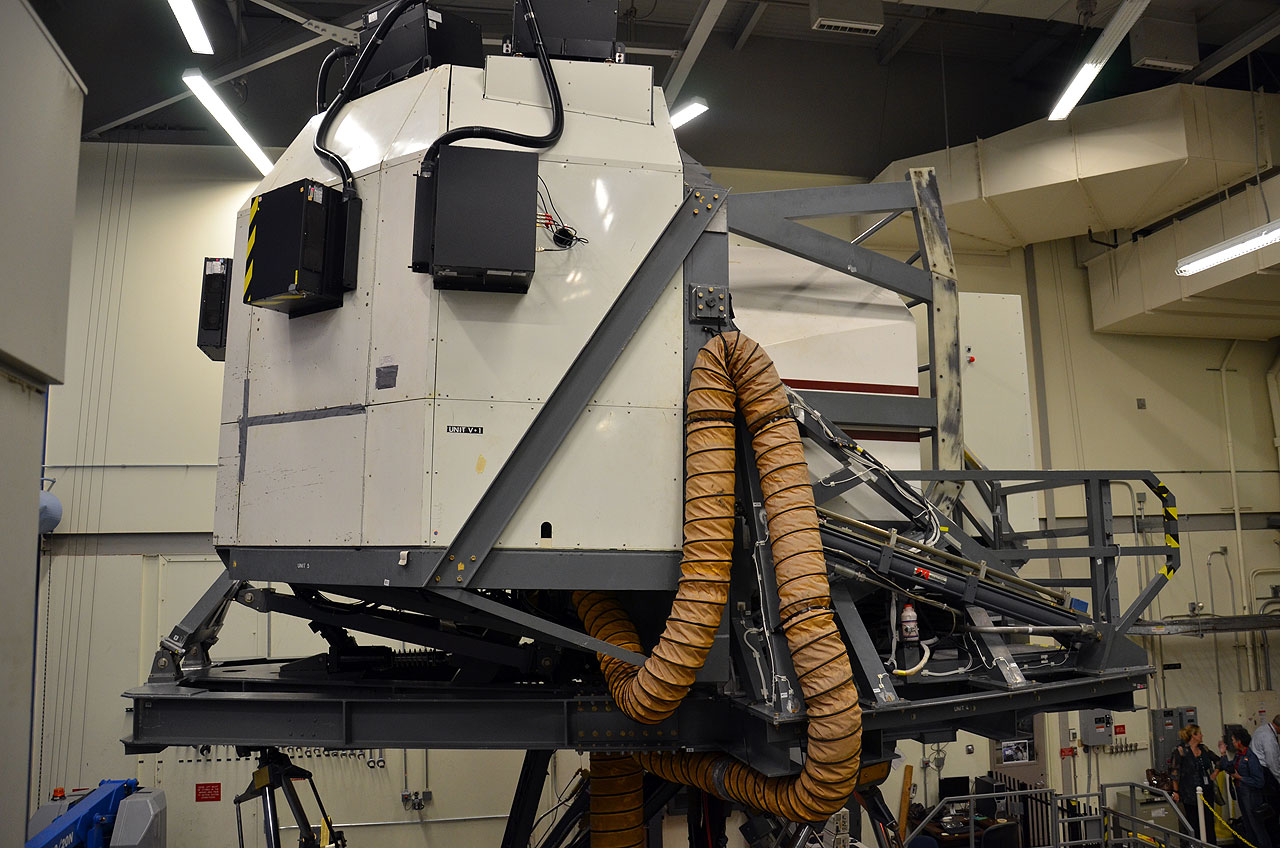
{"x": 1050, "y": 820}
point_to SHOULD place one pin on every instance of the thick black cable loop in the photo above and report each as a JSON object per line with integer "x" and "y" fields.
{"x": 507, "y": 136}
{"x": 344, "y": 95}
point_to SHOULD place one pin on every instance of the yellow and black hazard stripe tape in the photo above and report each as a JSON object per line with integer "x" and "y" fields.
{"x": 1170, "y": 506}
{"x": 248, "y": 253}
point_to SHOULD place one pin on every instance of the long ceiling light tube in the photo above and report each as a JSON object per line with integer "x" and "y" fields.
{"x": 687, "y": 111}
{"x": 201, "y": 89}
{"x": 1114, "y": 32}
{"x": 1232, "y": 248}
{"x": 189, "y": 20}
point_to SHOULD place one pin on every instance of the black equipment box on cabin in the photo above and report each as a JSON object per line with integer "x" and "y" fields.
{"x": 423, "y": 37}
{"x": 571, "y": 29}
{"x": 304, "y": 243}
{"x": 475, "y": 223}
{"x": 215, "y": 298}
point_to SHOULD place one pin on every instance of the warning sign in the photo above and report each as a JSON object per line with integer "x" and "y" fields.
{"x": 208, "y": 791}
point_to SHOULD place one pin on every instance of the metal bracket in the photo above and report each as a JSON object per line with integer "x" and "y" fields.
{"x": 189, "y": 641}
{"x": 708, "y": 304}
{"x": 334, "y": 32}
{"x": 998, "y": 650}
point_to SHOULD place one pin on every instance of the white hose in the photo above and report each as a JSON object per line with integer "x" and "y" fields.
{"x": 918, "y": 666}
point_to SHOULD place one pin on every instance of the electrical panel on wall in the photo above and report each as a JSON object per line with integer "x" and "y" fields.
{"x": 1165, "y": 725}
{"x": 1095, "y": 727}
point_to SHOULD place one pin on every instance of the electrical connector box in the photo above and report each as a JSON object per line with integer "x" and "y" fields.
{"x": 215, "y": 290}
{"x": 304, "y": 243}
{"x": 475, "y": 221}
{"x": 571, "y": 29}
{"x": 1095, "y": 727}
{"x": 423, "y": 37}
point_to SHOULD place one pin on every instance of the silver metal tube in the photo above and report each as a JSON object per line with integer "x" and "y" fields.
{"x": 1032, "y": 629}
{"x": 875, "y": 228}
{"x": 407, "y": 821}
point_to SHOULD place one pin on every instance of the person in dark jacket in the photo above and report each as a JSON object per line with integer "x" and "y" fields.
{"x": 1251, "y": 780}
{"x": 1194, "y": 765}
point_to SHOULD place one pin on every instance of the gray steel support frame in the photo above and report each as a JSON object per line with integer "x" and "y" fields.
{"x": 243, "y": 704}
{"x": 944, "y": 332}
{"x": 867, "y": 666}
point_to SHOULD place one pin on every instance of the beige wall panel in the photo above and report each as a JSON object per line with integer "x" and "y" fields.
{"x": 40, "y": 138}
{"x": 289, "y": 496}
{"x": 397, "y": 473}
{"x": 21, "y": 422}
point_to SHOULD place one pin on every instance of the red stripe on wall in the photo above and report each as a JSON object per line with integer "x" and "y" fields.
{"x": 866, "y": 388}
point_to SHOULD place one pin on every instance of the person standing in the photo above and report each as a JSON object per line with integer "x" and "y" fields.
{"x": 1250, "y": 779}
{"x": 1266, "y": 747}
{"x": 1194, "y": 766}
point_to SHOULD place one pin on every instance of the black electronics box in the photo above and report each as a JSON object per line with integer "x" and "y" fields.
{"x": 215, "y": 291}
{"x": 475, "y": 221}
{"x": 571, "y": 29}
{"x": 423, "y": 37}
{"x": 304, "y": 243}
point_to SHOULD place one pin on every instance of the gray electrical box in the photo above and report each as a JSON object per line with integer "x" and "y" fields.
{"x": 1095, "y": 727}
{"x": 1165, "y": 725}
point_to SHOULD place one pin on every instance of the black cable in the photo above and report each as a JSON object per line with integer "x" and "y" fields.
{"x": 344, "y": 94}
{"x": 506, "y": 136}
{"x": 322, "y": 81}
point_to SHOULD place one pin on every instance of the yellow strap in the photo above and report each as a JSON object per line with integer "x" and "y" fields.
{"x": 1210, "y": 808}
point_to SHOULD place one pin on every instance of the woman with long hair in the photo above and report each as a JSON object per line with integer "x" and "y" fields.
{"x": 1194, "y": 765}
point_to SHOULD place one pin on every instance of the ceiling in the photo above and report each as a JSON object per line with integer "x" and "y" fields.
{"x": 783, "y": 97}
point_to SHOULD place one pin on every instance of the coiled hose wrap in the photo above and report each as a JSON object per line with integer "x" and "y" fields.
{"x": 617, "y": 801}
{"x": 733, "y": 374}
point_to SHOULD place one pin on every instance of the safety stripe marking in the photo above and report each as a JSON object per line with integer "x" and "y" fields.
{"x": 1167, "y": 572}
{"x": 1171, "y": 512}
{"x": 1170, "y": 541}
{"x": 248, "y": 253}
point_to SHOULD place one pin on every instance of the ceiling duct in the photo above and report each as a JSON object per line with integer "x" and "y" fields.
{"x": 1141, "y": 163}
{"x": 854, "y": 17}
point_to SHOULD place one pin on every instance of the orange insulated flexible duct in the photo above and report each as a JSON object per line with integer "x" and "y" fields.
{"x": 617, "y": 801}
{"x": 733, "y": 374}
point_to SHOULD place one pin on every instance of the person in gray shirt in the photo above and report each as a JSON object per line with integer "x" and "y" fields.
{"x": 1266, "y": 745}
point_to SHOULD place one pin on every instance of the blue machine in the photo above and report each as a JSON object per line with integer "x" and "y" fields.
{"x": 93, "y": 821}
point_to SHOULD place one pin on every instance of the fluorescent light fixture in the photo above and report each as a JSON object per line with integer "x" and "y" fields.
{"x": 1114, "y": 32}
{"x": 185, "y": 12}
{"x": 201, "y": 88}
{"x": 687, "y": 111}
{"x": 1232, "y": 248}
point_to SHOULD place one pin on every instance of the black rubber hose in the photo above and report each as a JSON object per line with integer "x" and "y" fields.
{"x": 322, "y": 81}
{"x": 506, "y": 136}
{"x": 344, "y": 94}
